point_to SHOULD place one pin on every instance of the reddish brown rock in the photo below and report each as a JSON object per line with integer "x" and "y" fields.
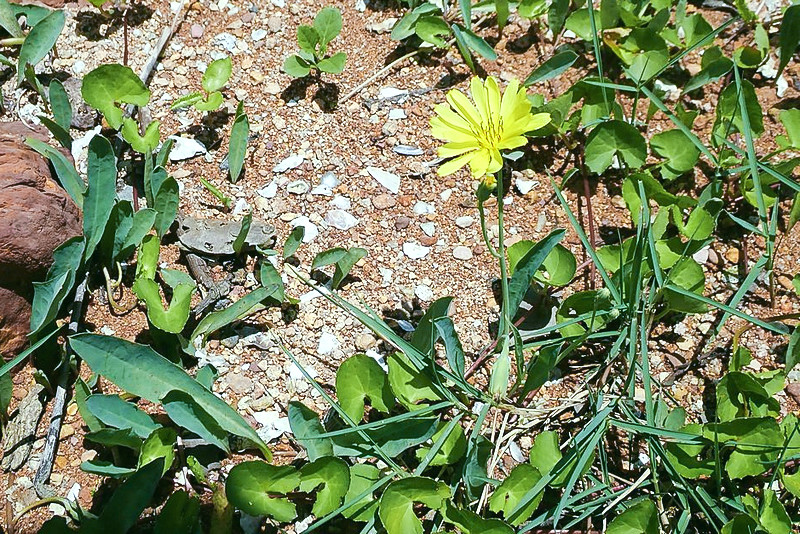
{"x": 15, "y": 318}
{"x": 36, "y": 214}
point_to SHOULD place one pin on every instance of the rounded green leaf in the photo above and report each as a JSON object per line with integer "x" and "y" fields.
{"x": 109, "y": 85}
{"x": 615, "y": 138}
{"x": 330, "y": 476}
{"x": 217, "y": 75}
{"x": 211, "y": 103}
{"x": 328, "y": 24}
{"x": 675, "y": 147}
{"x": 397, "y": 503}
{"x": 333, "y": 64}
{"x": 252, "y": 487}
{"x": 362, "y": 477}
{"x": 451, "y": 451}
{"x": 360, "y": 378}
{"x": 641, "y": 518}
{"x": 511, "y": 492}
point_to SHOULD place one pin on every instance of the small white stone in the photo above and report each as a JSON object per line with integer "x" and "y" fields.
{"x": 327, "y": 343}
{"x": 311, "y": 230}
{"x": 423, "y": 208}
{"x": 298, "y": 187}
{"x": 391, "y": 92}
{"x": 340, "y": 219}
{"x": 258, "y": 34}
{"x": 397, "y": 114}
{"x": 428, "y": 228}
{"x": 462, "y": 253}
{"x": 292, "y": 162}
{"x": 524, "y": 186}
{"x": 387, "y": 179}
{"x": 415, "y": 251}
{"x": 464, "y": 222}
{"x": 272, "y": 425}
{"x": 269, "y": 190}
{"x": 341, "y": 202}
{"x": 185, "y": 148}
{"x": 423, "y": 293}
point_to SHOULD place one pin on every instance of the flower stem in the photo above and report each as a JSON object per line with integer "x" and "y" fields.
{"x": 505, "y": 320}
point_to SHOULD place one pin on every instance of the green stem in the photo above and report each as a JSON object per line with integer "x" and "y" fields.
{"x": 484, "y": 231}
{"x": 505, "y": 320}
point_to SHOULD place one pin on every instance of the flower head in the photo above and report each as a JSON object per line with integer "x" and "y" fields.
{"x": 476, "y": 134}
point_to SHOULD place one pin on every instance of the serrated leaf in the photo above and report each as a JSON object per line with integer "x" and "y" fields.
{"x": 141, "y": 371}
{"x": 333, "y": 475}
{"x": 109, "y": 85}
{"x": 397, "y": 503}
{"x": 360, "y": 378}
{"x": 253, "y": 488}
{"x": 217, "y": 74}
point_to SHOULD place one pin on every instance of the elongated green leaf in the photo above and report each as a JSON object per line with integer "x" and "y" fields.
{"x": 160, "y": 444}
{"x": 452, "y": 345}
{"x": 187, "y": 413}
{"x": 106, "y": 469}
{"x": 306, "y": 426}
{"x": 241, "y": 237}
{"x": 68, "y": 177}
{"x": 173, "y": 318}
{"x": 141, "y": 371}
{"x": 238, "y": 310}
{"x": 252, "y": 487}
{"x": 115, "y": 412}
{"x": 8, "y": 20}
{"x": 39, "y": 41}
{"x": 49, "y": 295}
{"x": 100, "y": 193}
{"x": 293, "y": 241}
{"x": 59, "y": 103}
{"x": 240, "y": 131}
{"x": 166, "y": 206}
{"x": 555, "y": 66}
{"x": 789, "y": 37}
{"x": 526, "y": 269}
{"x": 180, "y": 515}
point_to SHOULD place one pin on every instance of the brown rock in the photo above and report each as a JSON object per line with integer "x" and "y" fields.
{"x": 15, "y": 318}
{"x": 36, "y": 214}
{"x": 383, "y": 202}
{"x": 793, "y": 390}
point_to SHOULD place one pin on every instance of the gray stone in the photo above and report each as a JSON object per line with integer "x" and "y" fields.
{"x": 462, "y": 253}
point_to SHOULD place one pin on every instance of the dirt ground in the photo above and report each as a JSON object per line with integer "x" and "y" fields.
{"x": 366, "y": 130}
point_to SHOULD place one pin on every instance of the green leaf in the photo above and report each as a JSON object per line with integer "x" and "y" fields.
{"x": 789, "y": 36}
{"x": 741, "y": 524}
{"x": 49, "y": 295}
{"x": 159, "y": 444}
{"x": 614, "y": 138}
{"x": 306, "y": 426}
{"x": 112, "y": 84}
{"x": 453, "y": 349}
{"x": 790, "y": 118}
{"x": 59, "y": 100}
{"x": 328, "y": 24}
{"x": 471, "y": 523}
{"x": 296, "y": 67}
{"x": 713, "y": 71}
{"x": 113, "y": 437}
{"x": 143, "y": 144}
{"x": 756, "y": 443}
{"x": 583, "y": 303}
{"x": 307, "y": 39}
{"x": 39, "y": 41}
{"x": 217, "y": 74}
{"x": 689, "y": 275}
{"x": 252, "y": 487}
{"x": 526, "y": 268}
{"x": 128, "y": 501}
{"x": 8, "y": 20}
{"x": 141, "y": 371}
{"x": 68, "y": 177}
{"x": 431, "y": 29}
{"x": 333, "y": 475}
{"x": 677, "y": 149}
{"x": 511, "y": 492}
{"x": 397, "y": 503}
{"x": 557, "y": 15}
{"x": 6, "y": 393}
{"x": 451, "y": 451}
{"x": 180, "y": 515}
{"x": 101, "y": 192}
{"x": 333, "y": 64}
{"x": 293, "y": 241}
{"x": 238, "y": 310}
{"x": 531, "y": 8}
{"x": 359, "y": 378}
{"x": 729, "y": 117}
{"x": 555, "y": 66}
{"x": 106, "y": 469}
{"x": 393, "y": 438}
{"x": 237, "y": 149}
{"x": 343, "y": 259}
{"x": 362, "y": 477}
{"x": 641, "y": 518}
{"x": 188, "y": 414}
{"x": 270, "y": 277}
{"x": 409, "y": 385}
{"x": 173, "y": 318}
{"x": 773, "y": 516}
{"x": 241, "y": 237}
{"x": 166, "y": 203}
{"x": 115, "y": 412}
{"x": 545, "y": 453}
{"x": 187, "y": 100}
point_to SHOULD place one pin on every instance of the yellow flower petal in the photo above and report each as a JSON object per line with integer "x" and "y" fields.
{"x": 493, "y": 97}
{"x": 480, "y": 162}
{"x": 512, "y": 142}
{"x": 464, "y": 107}
{"x": 456, "y": 149}
{"x": 454, "y": 164}
{"x": 495, "y": 162}
{"x": 478, "y": 92}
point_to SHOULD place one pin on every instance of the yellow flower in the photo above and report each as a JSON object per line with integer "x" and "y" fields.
{"x": 476, "y": 134}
